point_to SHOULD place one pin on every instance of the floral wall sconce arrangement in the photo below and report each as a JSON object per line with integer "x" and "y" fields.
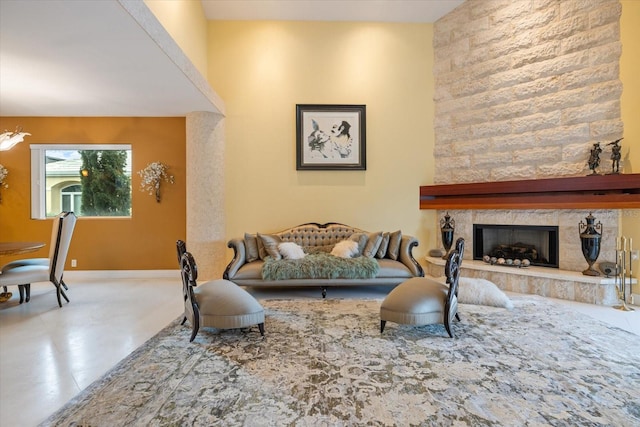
{"x": 3, "y": 177}
{"x": 152, "y": 176}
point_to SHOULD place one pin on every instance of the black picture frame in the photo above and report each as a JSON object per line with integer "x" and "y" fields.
{"x": 331, "y": 137}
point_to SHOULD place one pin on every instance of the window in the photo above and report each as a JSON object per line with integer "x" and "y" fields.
{"x": 90, "y": 180}
{"x": 71, "y": 199}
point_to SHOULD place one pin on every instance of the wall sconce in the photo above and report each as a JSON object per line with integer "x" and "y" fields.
{"x": 152, "y": 175}
{"x": 9, "y": 139}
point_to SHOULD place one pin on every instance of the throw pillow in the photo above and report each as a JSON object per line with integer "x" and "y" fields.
{"x": 373, "y": 244}
{"x": 482, "y": 292}
{"x": 290, "y": 250}
{"x": 393, "y": 251}
{"x": 382, "y": 250}
{"x": 251, "y": 245}
{"x": 345, "y": 249}
{"x": 360, "y": 239}
{"x": 270, "y": 245}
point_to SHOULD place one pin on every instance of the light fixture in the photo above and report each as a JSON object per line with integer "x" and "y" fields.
{"x": 9, "y": 139}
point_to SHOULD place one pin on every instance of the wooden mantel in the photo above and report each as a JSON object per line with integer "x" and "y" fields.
{"x": 585, "y": 192}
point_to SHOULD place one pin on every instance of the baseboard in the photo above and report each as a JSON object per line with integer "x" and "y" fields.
{"x": 122, "y": 274}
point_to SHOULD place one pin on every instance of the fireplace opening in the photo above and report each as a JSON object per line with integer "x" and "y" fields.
{"x": 537, "y": 243}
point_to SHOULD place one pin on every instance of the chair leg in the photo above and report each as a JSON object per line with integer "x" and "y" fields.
{"x": 195, "y": 325}
{"x": 457, "y": 317}
{"x": 382, "y": 325}
{"x": 447, "y": 326}
{"x": 21, "y": 290}
{"x": 184, "y": 320}
{"x": 194, "y": 329}
{"x": 261, "y": 328}
{"x": 58, "y": 293}
{"x": 64, "y": 285}
{"x": 27, "y": 288}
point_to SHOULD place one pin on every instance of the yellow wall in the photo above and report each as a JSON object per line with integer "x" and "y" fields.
{"x": 143, "y": 242}
{"x": 184, "y": 20}
{"x": 630, "y": 75}
{"x": 263, "y": 69}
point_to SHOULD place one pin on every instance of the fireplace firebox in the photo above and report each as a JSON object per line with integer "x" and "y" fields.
{"x": 537, "y": 243}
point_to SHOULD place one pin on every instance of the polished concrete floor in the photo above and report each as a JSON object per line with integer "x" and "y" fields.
{"x": 49, "y": 354}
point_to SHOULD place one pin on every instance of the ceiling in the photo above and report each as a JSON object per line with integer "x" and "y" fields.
{"x": 329, "y": 10}
{"x": 112, "y": 58}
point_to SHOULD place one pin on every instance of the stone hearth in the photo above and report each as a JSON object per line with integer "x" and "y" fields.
{"x": 547, "y": 282}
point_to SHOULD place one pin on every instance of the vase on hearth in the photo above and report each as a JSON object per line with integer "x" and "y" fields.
{"x": 447, "y": 229}
{"x": 590, "y": 237}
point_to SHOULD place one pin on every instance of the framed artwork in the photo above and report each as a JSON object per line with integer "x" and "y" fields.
{"x": 331, "y": 137}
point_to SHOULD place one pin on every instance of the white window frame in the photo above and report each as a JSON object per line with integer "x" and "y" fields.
{"x": 38, "y": 182}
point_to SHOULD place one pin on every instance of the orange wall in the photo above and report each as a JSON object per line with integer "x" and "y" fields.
{"x": 144, "y": 241}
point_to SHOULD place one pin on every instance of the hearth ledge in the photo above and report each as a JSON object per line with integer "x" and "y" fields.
{"x": 547, "y": 282}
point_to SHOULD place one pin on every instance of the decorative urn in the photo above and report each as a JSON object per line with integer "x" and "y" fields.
{"x": 447, "y": 229}
{"x": 590, "y": 236}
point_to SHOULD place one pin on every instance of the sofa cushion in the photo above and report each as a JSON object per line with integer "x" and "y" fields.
{"x": 345, "y": 249}
{"x": 251, "y": 244}
{"x": 270, "y": 244}
{"x": 361, "y": 239}
{"x": 394, "y": 245}
{"x": 390, "y": 268}
{"x": 373, "y": 243}
{"x": 382, "y": 250}
{"x": 250, "y": 271}
{"x": 290, "y": 250}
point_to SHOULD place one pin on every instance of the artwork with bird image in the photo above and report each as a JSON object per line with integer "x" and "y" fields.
{"x": 330, "y": 137}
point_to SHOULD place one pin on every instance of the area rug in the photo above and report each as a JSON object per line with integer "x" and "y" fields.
{"x": 325, "y": 363}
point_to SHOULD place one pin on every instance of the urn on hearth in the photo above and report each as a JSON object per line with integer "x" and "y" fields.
{"x": 590, "y": 236}
{"x": 447, "y": 228}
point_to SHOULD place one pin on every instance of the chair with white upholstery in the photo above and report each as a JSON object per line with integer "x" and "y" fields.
{"x": 22, "y": 275}
{"x": 40, "y": 261}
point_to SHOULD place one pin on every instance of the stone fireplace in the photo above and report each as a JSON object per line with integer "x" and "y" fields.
{"x": 564, "y": 282}
{"x": 522, "y": 92}
{"x": 537, "y": 244}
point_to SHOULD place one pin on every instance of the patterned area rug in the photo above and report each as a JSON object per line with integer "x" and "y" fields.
{"x": 325, "y": 363}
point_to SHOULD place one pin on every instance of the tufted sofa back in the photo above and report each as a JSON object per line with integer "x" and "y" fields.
{"x": 313, "y": 234}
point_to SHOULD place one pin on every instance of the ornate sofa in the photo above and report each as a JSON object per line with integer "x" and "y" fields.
{"x": 381, "y": 258}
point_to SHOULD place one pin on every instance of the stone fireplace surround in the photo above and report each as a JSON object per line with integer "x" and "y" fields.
{"x": 566, "y": 282}
{"x": 522, "y": 91}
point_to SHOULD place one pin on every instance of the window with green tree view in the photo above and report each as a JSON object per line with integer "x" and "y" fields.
{"x": 91, "y": 180}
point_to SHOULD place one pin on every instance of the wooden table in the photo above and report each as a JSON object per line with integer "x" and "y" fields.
{"x": 15, "y": 248}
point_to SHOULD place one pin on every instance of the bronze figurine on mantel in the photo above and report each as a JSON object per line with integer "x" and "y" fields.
{"x": 615, "y": 156}
{"x": 594, "y": 158}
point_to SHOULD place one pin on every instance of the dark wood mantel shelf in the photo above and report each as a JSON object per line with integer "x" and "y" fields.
{"x": 584, "y": 192}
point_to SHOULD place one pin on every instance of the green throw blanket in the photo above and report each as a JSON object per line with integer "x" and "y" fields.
{"x": 320, "y": 266}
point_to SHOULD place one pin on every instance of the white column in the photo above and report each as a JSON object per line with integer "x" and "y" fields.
{"x": 206, "y": 238}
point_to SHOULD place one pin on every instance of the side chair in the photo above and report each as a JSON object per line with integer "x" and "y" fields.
{"x": 425, "y": 301}
{"x": 218, "y": 303}
{"x": 40, "y": 261}
{"x": 22, "y": 275}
